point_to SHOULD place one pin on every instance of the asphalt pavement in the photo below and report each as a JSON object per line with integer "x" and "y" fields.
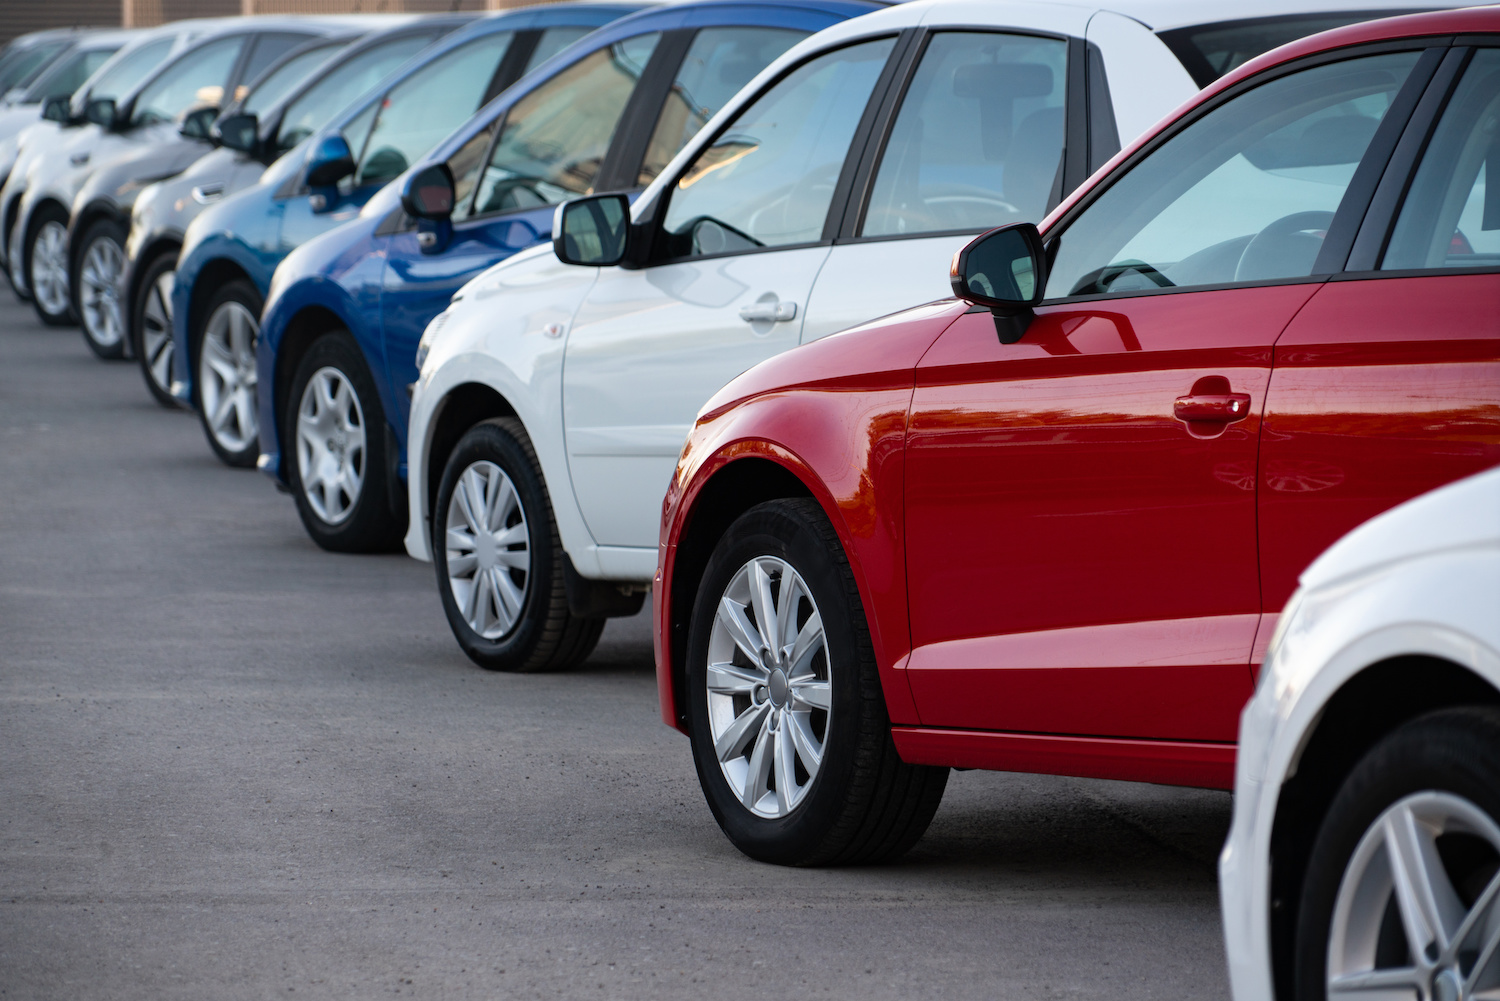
{"x": 235, "y": 766}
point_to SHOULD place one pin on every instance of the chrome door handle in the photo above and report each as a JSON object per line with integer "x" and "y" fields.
{"x": 769, "y": 312}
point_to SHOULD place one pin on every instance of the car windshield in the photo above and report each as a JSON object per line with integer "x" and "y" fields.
{"x": 132, "y": 66}
{"x": 1208, "y": 51}
{"x": 279, "y": 80}
{"x": 21, "y": 68}
{"x": 195, "y": 79}
{"x": 68, "y": 74}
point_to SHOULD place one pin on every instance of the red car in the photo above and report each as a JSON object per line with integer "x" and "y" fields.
{"x": 1047, "y": 526}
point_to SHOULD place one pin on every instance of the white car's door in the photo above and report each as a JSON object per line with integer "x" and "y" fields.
{"x": 744, "y": 226}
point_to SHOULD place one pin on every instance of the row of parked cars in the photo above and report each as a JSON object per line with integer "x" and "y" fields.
{"x": 593, "y": 300}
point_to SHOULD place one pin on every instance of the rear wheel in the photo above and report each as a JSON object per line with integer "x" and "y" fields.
{"x": 151, "y": 328}
{"x": 789, "y": 728}
{"x": 499, "y": 558}
{"x": 100, "y": 265}
{"x": 225, "y": 384}
{"x": 46, "y": 262}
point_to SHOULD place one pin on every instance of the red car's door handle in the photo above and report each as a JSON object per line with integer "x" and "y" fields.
{"x": 1217, "y": 408}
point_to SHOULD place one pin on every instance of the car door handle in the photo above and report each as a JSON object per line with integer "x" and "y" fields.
{"x": 1217, "y": 408}
{"x": 769, "y": 312}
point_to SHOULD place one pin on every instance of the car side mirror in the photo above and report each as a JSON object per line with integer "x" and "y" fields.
{"x": 593, "y": 232}
{"x": 428, "y": 193}
{"x": 197, "y": 124}
{"x": 101, "y": 111}
{"x": 330, "y": 162}
{"x": 1006, "y": 271}
{"x": 238, "y": 132}
{"x": 57, "y": 108}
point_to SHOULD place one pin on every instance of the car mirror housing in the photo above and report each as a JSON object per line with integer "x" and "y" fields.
{"x": 428, "y": 193}
{"x": 1006, "y": 271}
{"x": 57, "y": 108}
{"x": 101, "y": 111}
{"x": 197, "y": 124}
{"x": 330, "y": 162}
{"x": 592, "y": 232}
{"x": 238, "y": 132}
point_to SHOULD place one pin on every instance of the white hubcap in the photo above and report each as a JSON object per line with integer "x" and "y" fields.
{"x": 49, "y": 268}
{"x": 156, "y": 331}
{"x": 330, "y": 445}
{"x": 226, "y": 374}
{"x": 488, "y": 550}
{"x": 99, "y": 291}
{"x": 770, "y": 687}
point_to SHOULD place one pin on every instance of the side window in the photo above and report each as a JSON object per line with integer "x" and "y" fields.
{"x": 768, "y": 180}
{"x": 68, "y": 77}
{"x": 718, "y": 63}
{"x": 979, "y": 138}
{"x": 1245, "y": 193}
{"x": 279, "y": 82}
{"x": 339, "y": 88}
{"x": 197, "y": 78}
{"x": 268, "y": 49}
{"x": 130, "y": 69}
{"x": 1451, "y": 216}
{"x": 465, "y": 165}
{"x": 554, "y": 139}
{"x": 553, "y": 41}
{"x": 419, "y": 112}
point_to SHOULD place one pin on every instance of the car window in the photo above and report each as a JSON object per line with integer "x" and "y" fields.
{"x": 768, "y": 179}
{"x": 553, "y": 41}
{"x": 979, "y": 138}
{"x": 465, "y": 166}
{"x": 280, "y": 81}
{"x": 555, "y": 138}
{"x": 19, "y": 70}
{"x": 1245, "y": 193}
{"x": 197, "y": 78}
{"x": 268, "y": 49}
{"x": 68, "y": 75}
{"x": 1208, "y": 51}
{"x": 717, "y": 65}
{"x": 341, "y": 86}
{"x": 421, "y": 110}
{"x": 131, "y": 68}
{"x": 1451, "y": 216}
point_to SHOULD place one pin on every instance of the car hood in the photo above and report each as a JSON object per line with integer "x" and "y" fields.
{"x": 17, "y": 117}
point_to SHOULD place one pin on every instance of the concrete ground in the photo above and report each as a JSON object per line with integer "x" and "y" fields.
{"x": 235, "y": 766}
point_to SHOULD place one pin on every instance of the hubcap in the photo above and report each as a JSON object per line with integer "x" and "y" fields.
{"x": 99, "y": 291}
{"x": 1417, "y": 915}
{"x": 226, "y": 375}
{"x": 330, "y": 445}
{"x": 488, "y": 550}
{"x": 156, "y": 331}
{"x": 770, "y": 686}
{"x": 49, "y": 268}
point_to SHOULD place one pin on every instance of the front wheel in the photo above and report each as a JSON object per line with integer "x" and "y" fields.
{"x": 225, "y": 386}
{"x": 100, "y": 266}
{"x": 499, "y": 558}
{"x": 151, "y": 328}
{"x": 46, "y": 262}
{"x": 337, "y": 452}
{"x": 789, "y": 728}
{"x": 1402, "y": 892}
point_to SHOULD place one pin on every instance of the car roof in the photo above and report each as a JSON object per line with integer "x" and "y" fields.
{"x": 1164, "y": 15}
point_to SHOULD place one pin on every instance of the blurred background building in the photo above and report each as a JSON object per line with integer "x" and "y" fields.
{"x": 20, "y": 16}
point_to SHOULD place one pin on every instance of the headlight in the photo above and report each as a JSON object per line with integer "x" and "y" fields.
{"x": 429, "y": 336}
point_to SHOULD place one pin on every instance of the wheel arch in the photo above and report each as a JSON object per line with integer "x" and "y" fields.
{"x": 144, "y": 258}
{"x": 463, "y": 406}
{"x": 215, "y": 273}
{"x": 306, "y": 326}
{"x": 33, "y": 219}
{"x": 1366, "y": 707}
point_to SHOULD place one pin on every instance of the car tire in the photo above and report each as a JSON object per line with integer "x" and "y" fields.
{"x": 1431, "y": 789}
{"x": 151, "y": 328}
{"x": 337, "y": 453}
{"x": 812, "y": 710}
{"x": 499, "y": 558}
{"x": 224, "y": 383}
{"x": 45, "y": 253}
{"x": 96, "y": 271}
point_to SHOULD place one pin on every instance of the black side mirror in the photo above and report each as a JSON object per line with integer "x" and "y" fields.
{"x": 330, "y": 162}
{"x": 1005, "y": 270}
{"x": 101, "y": 111}
{"x": 57, "y": 108}
{"x": 198, "y": 123}
{"x": 238, "y": 132}
{"x": 428, "y": 193}
{"x": 593, "y": 231}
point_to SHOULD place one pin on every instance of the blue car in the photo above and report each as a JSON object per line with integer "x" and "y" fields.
{"x": 339, "y": 334}
{"x": 230, "y": 251}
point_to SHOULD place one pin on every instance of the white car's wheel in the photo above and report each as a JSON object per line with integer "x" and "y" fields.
{"x": 151, "y": 328}
{"x": 225, "y": 380}
{"x": 101, "y": 265}
{"x": 46, "y": 262}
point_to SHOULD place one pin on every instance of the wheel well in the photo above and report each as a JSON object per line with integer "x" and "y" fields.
{"x": 148, "y": 254}
{"x": 215, "y": 274}
{"x": 731, "y": 492}
{"x": 12, "y": 213}
{"x": 461, "y": 409}
{"x": 307, "y": 326}
{"x": 32, "y": 224}
{"x": 1368, "y": 706}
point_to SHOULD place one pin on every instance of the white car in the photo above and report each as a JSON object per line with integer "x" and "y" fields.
{"x": 831, "y": 190}
{"x": 1364, "y": 857}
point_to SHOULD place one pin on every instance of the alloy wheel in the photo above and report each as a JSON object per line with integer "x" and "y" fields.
{"x": 1417, "y": 914}
{"x": 488, "y": 550}
{"x": 770, "y": 687}
{"x": 99, "y": 291}
{"x": 156, "y": 331}
{"x": 330, "y": 445}
{"x": 49, "y": 267}
{"x": 227, "y": 378}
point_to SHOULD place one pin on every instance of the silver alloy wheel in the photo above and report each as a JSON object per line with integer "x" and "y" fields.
{"x": 770, "y": 686}
{"x": 488, "y": 550}
{"x": 49, "y": 268}
{"x": 330, "y": 445}
{"x": 226, "y": 376}
{"x": 99, "y": 291}
{"x": 1401, "y": 927}
{"x": 156, "y": 331}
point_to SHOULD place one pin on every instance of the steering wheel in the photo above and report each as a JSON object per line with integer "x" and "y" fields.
{"x": 1286, "y": 248}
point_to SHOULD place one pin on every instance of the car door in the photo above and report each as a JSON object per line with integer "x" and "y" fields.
{"x": 742, "y": 236}
{"x": 1080, "y": 505}
{"x": 1387, "y": 384}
